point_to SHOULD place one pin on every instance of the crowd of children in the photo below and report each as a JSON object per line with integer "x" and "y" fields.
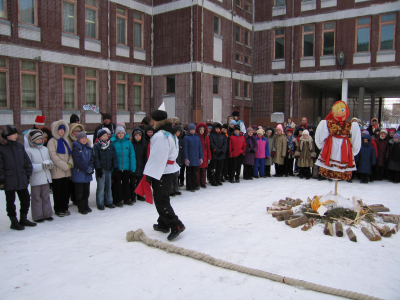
{"x": 63, "y": 162}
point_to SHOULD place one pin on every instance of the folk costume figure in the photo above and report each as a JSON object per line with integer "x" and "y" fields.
{"x": 336, "y": 160}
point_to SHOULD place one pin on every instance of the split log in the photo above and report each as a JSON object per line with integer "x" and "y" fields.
{"x": 282, "y": 213}
{"x": 376, "y": 232}
{"x": 382, "y": 231}
{"x": 390, "y": 218}
{"x": 339, "y": 229}
{"x": 371, "y": 236}
{"x": 291, "y": 220}
{"x": 328, "y": 230}
{"x": 308, "y": 225}
{"x": 376, "y": 205}
{"x": 379, "y": 209}
{"x": 351, "y": 235}
{"x": 287, "y": 217}
{"x": 299, "y": 221}
{"x": 270, "y": 210}
{"x": 395, "y": 229}
{"x": 280, "y": 204}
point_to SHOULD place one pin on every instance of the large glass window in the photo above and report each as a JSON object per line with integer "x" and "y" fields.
{"x": 91, "y": 86}
{"x": 3, "y": 9}
{"x": 170, "y": 84}
{"x": 247, "y": 38}
{"x": 278, "y": 96}
{"x": 386, "y": 32}
{"x": 363, "y": 34}
{"x": 138, "y": 30}
{"x": 69, "y": 19}
{"x": 216, "y": 85}
{"x": 280, "y": 2}
{"x": 69, "y": 87}
{"x": 91, "y": 18}
{"x": 216, "y": 25}
{"x": 121, "y": 25}
{"x": 121, "y": 91}
{"x": 308, "y": 40}
{"x": 29, "y": 84}
{"x": 246, "y": 90}
{"x": 279, "y": 43}
{"x": 28, "y": 11}
{"x": 138, "y": 92}
{"x": 328, "y": 38}
{"x": 3, "y": 82}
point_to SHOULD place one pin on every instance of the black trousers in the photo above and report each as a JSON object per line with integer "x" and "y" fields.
{"x": 182, "y": 174}
{"x": 134, "y": 181}
{"x": 364, "y": 177}
{"x": 24, "y": 199}
{"x": 305, "y": 171}
{"x": 61, "y": 194}
{"x": 247, "y": 171}
{"x": 394, "y": 176}
{"x": 71, "y": 191}
{"x": 380, "y": 171}
{"x": 236, "y": 166}
{"x": 216, "y": 169}
{"x": 122, "y": 186}
{"x": 191, "y": 178}
{"x": 268, "y": 171}
{"x": 227, "y": 167}
{"x": 288, "y": 166}
{"x": 279, "y": 169}
{"x": 161, "y": 192}
{"x": 82, "y": 192}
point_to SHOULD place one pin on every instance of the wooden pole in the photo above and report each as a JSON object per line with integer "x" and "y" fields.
{"x": 336, "y": 185}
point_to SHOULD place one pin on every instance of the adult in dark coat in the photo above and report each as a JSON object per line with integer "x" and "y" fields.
{"x": 394, "y": 159}
{"x": 106, "y": 124}
{"x": 365, "y": 159}
{"x": 181, "y": 157}
{"x": 219, "y": 145}
{"x": 304, "y": 124}
{"x": 383, "y": 156}
{"x": 373, "y": 127}
{"x": 251, "y": 149}
{"x": 15, "y": 169}
{"x": 141, "y": 159}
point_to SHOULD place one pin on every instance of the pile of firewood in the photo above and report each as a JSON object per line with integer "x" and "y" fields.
{"x": 283, "y": 211}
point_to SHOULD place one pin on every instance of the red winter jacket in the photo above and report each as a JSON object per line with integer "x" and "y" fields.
{"x": 205, "y": 142}
{"x": 383, "y": 150}
{"x": 373, "y": 144}
{"x": 237, "y": 145}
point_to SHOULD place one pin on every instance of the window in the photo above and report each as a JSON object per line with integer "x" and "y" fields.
{"x": 138, "y": 92}
{"x": 328, "y": 38}
{"x": 68, "y": 16}
{"x": 237, "y": 88}
{"x": 215, "y": 85}
{"x": 246, "y": 90}
{"x": 238, "y": 34}
{"x": 280, "y": 2}
{"x": 247, "y": 7}
{"x": 121, "y": 91}
{"x": 91, "y": 86}
{"x": 278, "y": 96}
{"x": 91, "y": 18}
{"x": 239, "y": 3}
{"x": 386, "y": 31}
{"x": 238, "y": 57}
{"x": 3, "y": 9}
{"x": 217, "y": 29}
{"x": 69, "y": 87}
{"x": 308, "y": 40}
{"x": 279, "y": 43}
{"x": 363, "y": 29}
{"x": 29, "y": 84}
{"x": 138, "y": 30}
{"x": 247, "y": 38}
{"x": 28, "y": 11}
{"x": 3, "y": 82}
{"x": 246, "y": 59}
{"x": 170, "y": 84}
{"x": 121, "y": 25}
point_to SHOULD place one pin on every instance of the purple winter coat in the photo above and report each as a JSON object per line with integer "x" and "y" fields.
{"x": 251, "y": 145}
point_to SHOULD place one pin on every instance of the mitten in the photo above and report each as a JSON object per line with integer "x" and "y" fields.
{"x": 220, "y": 153}
{"x": 187, "y": 162}
{"x": 99, "y": 173}
{"x": 291, "y": 152}
{"x": 252, "y": 151}
{"x": 49, "y": 165}
{"x": 200, "y": 161}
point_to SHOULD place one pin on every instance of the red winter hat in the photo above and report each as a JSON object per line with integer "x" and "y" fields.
{"x": 39, "y": 120}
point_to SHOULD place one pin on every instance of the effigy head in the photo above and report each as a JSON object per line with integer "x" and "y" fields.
{"x": 340, "y": 111}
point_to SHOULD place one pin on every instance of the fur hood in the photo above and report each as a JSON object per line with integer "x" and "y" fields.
{"x": 54, "y": 129}
{"x": 205, "y": 129}
{"x": 272, "y": 134}
{"x": 165, "y": 125}
{"x": 73, "y": 126}
{"x": 3, "y": 141}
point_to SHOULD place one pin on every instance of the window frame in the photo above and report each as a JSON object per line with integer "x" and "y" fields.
{"x": 279, "y": 5}
{"x": 302, "y": 44}
{"x": 240, "y": 34}
{"x": 5, "y": 70}
{"x": 125, "y": 17}
{"x": 240, "y": 3}
{"x": 95, "y": 8}
{"x": 5, "y": 10}
{"x": 35, "y": 14}
{"x": 125, "y": 83}
{"x": 74, "y": 77}
{"x": 279, "y": 36}
{"x": 250, "y": 6}
{"x": 97, "y": 84}
{"x": 219, "y": 25}
{"x": 142, "y": 96}
{"x": 246, "y": 95}
{"x": 240, "y": 57}
{"x": 166, "y": 85}
{"x": 238, "y": 86}
{"x": 28, "y": 72}
{"x": 75, "y": 14}
{"x": 140, "y": 22}
{"x": 218, "y": 87}
{"x": 356, "y": 33}
{"x": 387, "y": 23}
{"x": 249, "y": 60}
{"x": 248, "y": 38}
{"x": 323, "y": 38}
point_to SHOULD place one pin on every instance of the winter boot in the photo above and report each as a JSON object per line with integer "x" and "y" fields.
{"x": 25, "y": 222}
{"x": 15, "y": 224}
{"x": 175, "y": 231}
{"x": 162, "y": 229}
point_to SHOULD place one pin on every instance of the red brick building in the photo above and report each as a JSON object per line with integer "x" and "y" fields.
{"x": 204, "y": 59}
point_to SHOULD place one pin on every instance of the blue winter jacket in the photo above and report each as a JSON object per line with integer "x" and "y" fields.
{"x": 366, "y": 158}
{"x": 105, "y": 159}
{"x": 125, "y": 153}
{"x": 192, "y": 149}
{"x": 83, "y": 163}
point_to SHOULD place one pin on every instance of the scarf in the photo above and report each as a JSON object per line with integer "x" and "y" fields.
{"x": 104, "y": 144}
{"x": 290, "y": 143}
{"x": 61, "y": 148}
{"x": 303, "y": 140}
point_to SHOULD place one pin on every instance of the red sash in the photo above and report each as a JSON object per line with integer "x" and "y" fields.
{"x": 347, "y": 151}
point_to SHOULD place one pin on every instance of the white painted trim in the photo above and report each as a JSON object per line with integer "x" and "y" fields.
{"x": 135, "y": 5}
{"x": 337, "y": 15}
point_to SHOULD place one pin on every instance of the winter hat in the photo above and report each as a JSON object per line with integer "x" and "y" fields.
{"x": 291, "y": 130}
{"x": 235, "y": 114}
{"x": 384, "y": 130}
{"x": 364, "y": 132}
{"x": 305, "y": 131}
{"x": 102, "y": 132}
{"x": 39, "y": 120}
{"x": 225, "y": 126}
{"x": 119, "y": 129}
{"x": 9, "y": 130}
{"x": 107, "y": 116}
{"x": 81, "y": 135}
{"x": 73, "y": 119}
{"x": 191, "y": 126}
{"x": 210, "y": 127}
{"x": 255, "y": 127}
{"x": 121, "y": 124}
{"x": 176, "y": 120}
{"x": 148, "y": 128}
{"x": 35, "y": 135}
{"x": 159, "y": 115}
{"x": 374, "y": 119}
{"x": 217, "y": 125}
{"x": 354, "y": 119}
{"x": 179, "y": 128}
{"x": 367, "y": 136}
{"x": 249, "y": 129}
{"x": 392, "y": 129}
{"x": 137, "y": 131}
{"x": 61, "y": 127}
{"x": 236, "y": 127}
{"x": 232, "y": 122}
{"x": 279, "y": 127}
{"x": 397, "y": 135}
{"x": 260, "y": 131}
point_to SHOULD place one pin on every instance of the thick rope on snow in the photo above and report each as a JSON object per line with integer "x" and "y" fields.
{"x": 139, "y": 236}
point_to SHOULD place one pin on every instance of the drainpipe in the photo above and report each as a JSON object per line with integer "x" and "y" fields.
{"x": 109, "y": 53}
{"x": 252, "y": 67}
{"x": 152, "y": 61}
{"x": 202, "y": 61}
{"x": 291, "y": 86}
{"x": 232, "y": 56}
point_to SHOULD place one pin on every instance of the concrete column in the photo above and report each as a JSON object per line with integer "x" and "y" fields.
{"x": 372, "y": 109}
{"x": 361, "y": 103}
{"x": 345, "y": 90}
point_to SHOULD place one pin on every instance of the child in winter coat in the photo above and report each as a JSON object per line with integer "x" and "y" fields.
{"x": 140, "y": 146}
{"x": 181, "y": 156}
{"x": 41, "y": 177}
{"x": 269, "y": 135}
{"x": 148, "y": 133}
{"x": 251, "y": 148}
{"x": 201, "y": 172}
{"x": 180, "y": 160}
{"x": 193, "y": 153}
{"x": 291, "y": 149}
{"x": 280, "y": 151}
{"x": 394, "y": 158}
{"x": 261, "y": 153}
{"x": 237, "y": 148}
{"x": 126, "y": 165}
{"x": 305, "y": 155}
{"x": 105, "y": 160}
{"x": 15, "y": 169}
{"x": 366, "y": 158}
{"x": 382, "y": 142}
{"x": 82, "y": 171}
{"x": 219, "y": 145}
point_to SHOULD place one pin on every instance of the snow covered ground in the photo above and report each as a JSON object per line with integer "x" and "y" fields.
{"x": 87, "y": 256}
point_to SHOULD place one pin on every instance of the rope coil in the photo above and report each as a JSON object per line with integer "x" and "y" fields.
{"x": 139, "y": 236}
